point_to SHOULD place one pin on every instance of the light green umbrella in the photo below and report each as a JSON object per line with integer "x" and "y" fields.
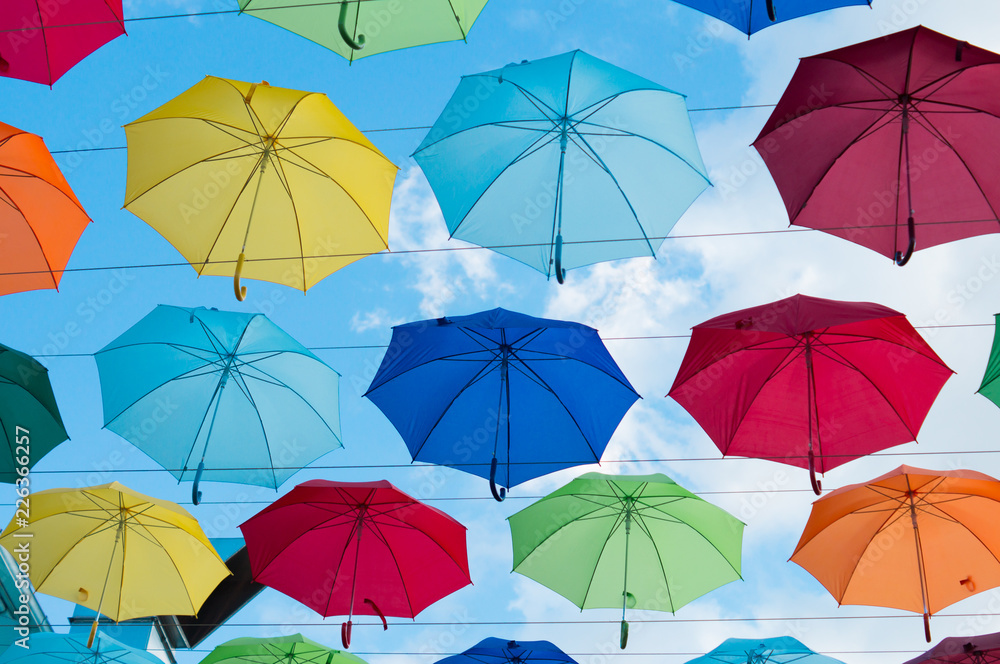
{"x": 604, "y": 541}
{"x": 358, "y": 28}
{"x": 294, "y": 649}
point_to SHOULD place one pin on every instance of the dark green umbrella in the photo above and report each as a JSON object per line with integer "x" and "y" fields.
{"x": 991, "y": 385}
{"x": 29, "y": 418}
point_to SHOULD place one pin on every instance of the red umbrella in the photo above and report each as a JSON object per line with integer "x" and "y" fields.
{"x": 43, "y": 39}
{"x": 343, "y": 548}
{"x": 983, "y": 649}
{"x": 809, "y": 382}
{"x": 872, "y": 140}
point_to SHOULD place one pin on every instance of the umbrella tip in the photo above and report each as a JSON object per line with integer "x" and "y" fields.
{"x": 512, "y": 644}
{"x": 4, "y": 65}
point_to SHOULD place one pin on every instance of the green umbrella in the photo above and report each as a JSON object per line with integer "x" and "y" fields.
{"x": 604, "y": 541}
{"x": 358, "y": 28}
{"x": 991, "y": 380}
{"x": 29, "y": 418}
{"x": 294, "y": 649}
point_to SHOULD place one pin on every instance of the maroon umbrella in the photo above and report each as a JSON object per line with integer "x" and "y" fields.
{"x": 809, "y": 382}
{"x": 984, "y": 649}
{"x": 43, "y": 39}
{"x": 875, "y": 139}
{"x": 343, "y": 548}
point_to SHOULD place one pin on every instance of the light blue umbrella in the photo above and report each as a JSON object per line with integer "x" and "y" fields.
{"x": 749, "y": 16}
{"x": 227, "y": 395}
{"x": 563, "y": 162}
{"x": 777, "y": 650}
{"x": 52, "y": 648}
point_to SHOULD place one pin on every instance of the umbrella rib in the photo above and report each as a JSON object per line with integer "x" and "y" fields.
{"x": 557, "y": 357}
{"x": 619, "y": 519}
{"x": 446, "y": 358}
{"x": 34, "y": 235}
{"x": 628, "y": 134}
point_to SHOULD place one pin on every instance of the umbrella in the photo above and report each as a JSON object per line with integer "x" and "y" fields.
{"x": 40, "y": 216}
{"x": 912, "y": 539}
{"x": 982, "y": 649}
{"x": 116, "y": 551}
{"x": 164, "y": 380}
{"x": 46, "y": 39}
{"x": 604, "y": 541}
{"x": 358, "y": 28}
{"x": 749, "y": 16}
{"x": 29, "y": 418}
{"x": 52, "y": 648}
{"x": 499, "y": 390}
{"x": 397, "y": 555}
{"x": 872, "y": 140}
{"x": 777, "y": 650}
{"x": 231, "y": 171}
{"x": 809, "y": 382}
{"x": 990, "y": 387}
{"x": 518, "y": 150}
{"x": 502, "y": 651}
{"x": 294, "y": 649}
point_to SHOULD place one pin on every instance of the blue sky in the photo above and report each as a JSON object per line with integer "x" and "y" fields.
{"x": 692, "y": 279}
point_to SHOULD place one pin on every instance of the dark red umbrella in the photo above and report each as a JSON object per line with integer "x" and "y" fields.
{"x": 43, "y": 39}
{"x": 890, "y": 143}
{"x": 809, "y": 382}
{"x": 983, "y": 649}
{"x": 343, "y": 548}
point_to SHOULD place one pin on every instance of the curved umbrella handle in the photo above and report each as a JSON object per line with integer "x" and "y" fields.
{"x": 195, "y": 493}
{"x": 623, "y": 640}
{"x": 771, "y": 14}
{"x": 502, "y": 493}
{"x": 345, "y": 634}
{"x": 901, "y": 259}
{"x": 241, "y": 291}
{"x": 816, "y": 484}
{"x": 560, "y": 273}
{"x": 927, "y": 627}
{"x": 385, "y": 625}
{"x": 344, "y": 34}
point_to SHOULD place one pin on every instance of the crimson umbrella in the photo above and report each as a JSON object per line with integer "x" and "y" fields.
{"x": 343, "y": 548}
{"x": 43, "y": 39}
{"x": 870, "y": 141}
{"x": 809, "y": 382}
{"x": 982, "y": 649}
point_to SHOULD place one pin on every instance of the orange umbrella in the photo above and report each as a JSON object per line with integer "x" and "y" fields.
{"x": 40, "y": 217}
{"x": 912, "y": 539}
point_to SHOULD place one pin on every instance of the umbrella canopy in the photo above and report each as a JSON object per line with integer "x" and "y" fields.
{"x": 163, "y": 384}
{"x": 990, "y": 387}
{"x": 983, "y": 649}
{"x": 116, "y": 551}
{"x": 777, "y": 650}
{"x": 45, "y": 39}
{"x": 500, "y": 394}
{"x": 809, "y": 382}
{"x": 889, "y": 143}
{"x": 40, "y": 216}
{"x": 517, "y": 151}
{"x": 29, "y": 418}
{"x": 749, "y": 16}
{"x": 52, "y": 648}
{"x": 912, "y": 539}
{"x": 503, "y": 651}
{"x": 293, "y": 649}
{"x": 231, "y": 170}
{"x": 396, "y": 554}
{"x": 604, "y": 541}
{"x": 359, "y": 28}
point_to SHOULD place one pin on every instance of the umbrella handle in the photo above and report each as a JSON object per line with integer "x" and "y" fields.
{"x": 93, "y": 632}
{"x": 345, "y": 634}
{"x": 901, "y": 258}
{"x": 771, "y": 14}
{"x": 344, "y": 34}
{"x": 241, "y": 291}
{"x": 623, "y": 640}
{"x": 816, "y": 484}
{"x": 927, "y": 627}
{"x": 385, "y": 625}
{"x": 195, "y": 493}
{"x": 502, "y": 493}
{"x": 560, "y": 273}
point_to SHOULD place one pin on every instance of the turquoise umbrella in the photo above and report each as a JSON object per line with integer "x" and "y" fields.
{"x": 228, "y": 396}
{"x": 52, "y": 648}
{"x": 563, "y": 162}
{"x": 777, "y": 650}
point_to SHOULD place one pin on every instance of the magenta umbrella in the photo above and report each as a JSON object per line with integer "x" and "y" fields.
{"x": 872, "y": 141}
{"x": 43, "y": 39}
{"x": 983, "y": 649}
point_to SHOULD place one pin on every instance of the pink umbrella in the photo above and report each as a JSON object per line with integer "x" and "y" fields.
{"x": 983, "y": 649}
{"x": 872, "y": 140}
{"x": 43, "y": 39}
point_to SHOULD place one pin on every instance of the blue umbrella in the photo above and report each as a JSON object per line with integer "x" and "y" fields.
{"x": 563, "y": 162}
{"x": 52, "y": 648}
{"x": 501, "y": 651}
{"x": 226, "y": 395}
{"x": 749, "y": 16}
{"x": 777, "y": 650}
{"x": 499, "y": 389}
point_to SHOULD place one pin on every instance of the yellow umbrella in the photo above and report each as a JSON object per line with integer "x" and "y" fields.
{"x": 115, "y": 551}
{"x": 231, "y": 170}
